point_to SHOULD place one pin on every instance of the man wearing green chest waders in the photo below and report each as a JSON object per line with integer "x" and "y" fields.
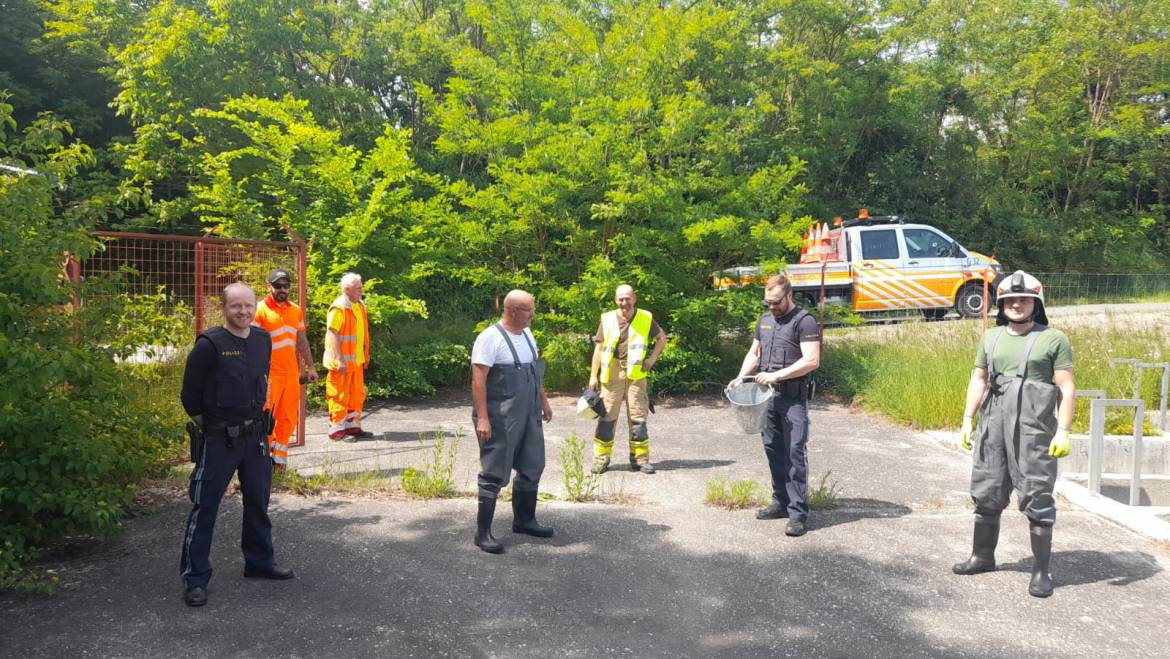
{"x": 1022, "y": 388}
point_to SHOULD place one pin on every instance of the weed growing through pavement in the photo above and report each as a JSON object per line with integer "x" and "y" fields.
{"x": 734, "y": 495}
{"x": 436, "y": 479}
{"x": 823, "y": 497}
{"x": 579, "y": 481}
{"x": 358, "y": 483}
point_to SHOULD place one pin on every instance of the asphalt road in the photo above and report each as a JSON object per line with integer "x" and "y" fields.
{"x": 659, "y": 575}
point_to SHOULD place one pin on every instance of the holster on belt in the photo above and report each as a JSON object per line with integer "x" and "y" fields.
{"x": 267, "y": 422}
{"x": 801, "y": 388}
{"x": 196, "y": 435}
{"x": 236, "y": 431}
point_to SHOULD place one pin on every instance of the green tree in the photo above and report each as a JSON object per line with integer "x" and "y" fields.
{"x": 74, "y": 436}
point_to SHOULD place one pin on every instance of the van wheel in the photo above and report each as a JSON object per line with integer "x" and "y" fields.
{"x": 969, "y": 302}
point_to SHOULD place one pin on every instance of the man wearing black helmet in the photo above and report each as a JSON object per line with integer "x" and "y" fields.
{"x": 1022, "y": 387}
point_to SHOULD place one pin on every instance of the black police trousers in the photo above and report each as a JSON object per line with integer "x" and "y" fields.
{"x": 217, "y": 463}
{"x": 785, "y": 444}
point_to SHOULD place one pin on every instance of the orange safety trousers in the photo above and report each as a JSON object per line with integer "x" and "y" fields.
{"x": 284, "y": 399}
{"x": 345, "y": 393}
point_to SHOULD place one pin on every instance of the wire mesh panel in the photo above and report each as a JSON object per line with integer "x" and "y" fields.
{"x": 173, "y": 284}
{"x": 1067, "y": 288}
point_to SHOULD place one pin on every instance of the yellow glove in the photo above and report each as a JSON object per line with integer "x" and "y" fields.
{"x": 965, "y": 432}
{"x": 1058, "y": 448}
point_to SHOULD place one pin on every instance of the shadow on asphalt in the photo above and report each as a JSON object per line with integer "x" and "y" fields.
{"x": 375, "y": 584}
{"x": 679, "y": 465}
{"x": 416, "y": 437}
{"x": 852, "y": 510}
{"x": 1079, "y": 567}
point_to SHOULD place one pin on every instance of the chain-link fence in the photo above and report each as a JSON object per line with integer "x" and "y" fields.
{"x": 1061, "y": 289}
{"x": 172, "y": 287}
{"x": 1072, "y": 288}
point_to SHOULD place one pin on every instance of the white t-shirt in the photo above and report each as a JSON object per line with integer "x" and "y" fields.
{"x": 490, "y": 348}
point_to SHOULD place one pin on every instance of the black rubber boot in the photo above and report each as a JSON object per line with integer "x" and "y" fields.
{"x": 983, "y": 547}
{"x": 524, "y": 515}
{"x": 1041, "y": 585}
{"x": 483, "y": 527}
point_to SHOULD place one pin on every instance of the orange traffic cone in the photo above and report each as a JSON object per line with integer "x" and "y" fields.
{"x": 827, "y": 244}
{"x": 804, "y": 249}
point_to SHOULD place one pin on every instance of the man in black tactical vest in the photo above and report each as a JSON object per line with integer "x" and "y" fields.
{"x": 785, "y": 352}
{"x": 224, "y": 388}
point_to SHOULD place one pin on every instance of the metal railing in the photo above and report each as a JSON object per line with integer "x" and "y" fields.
{"x": 1164, "y": 390}
{"x": 1097, "y": 407}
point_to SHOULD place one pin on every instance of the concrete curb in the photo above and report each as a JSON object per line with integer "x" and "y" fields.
{"x": 1142, "y": 520}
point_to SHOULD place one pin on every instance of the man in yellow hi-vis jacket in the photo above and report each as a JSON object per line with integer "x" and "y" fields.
{"x": 346, "y": 356}
{"x": 620, "y": 365}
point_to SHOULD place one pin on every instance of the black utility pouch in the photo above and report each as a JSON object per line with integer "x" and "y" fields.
{"x": 792, "y": 389}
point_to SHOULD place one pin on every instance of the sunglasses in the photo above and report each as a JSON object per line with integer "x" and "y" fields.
{"x": 280, "y": 286}
{"x": 772, "y": 303}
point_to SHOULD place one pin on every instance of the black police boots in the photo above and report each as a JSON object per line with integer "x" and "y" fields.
{"x": 483, "y": 527}
{"x": 524, "y": 515}
{"x": 983, "y": 547}
{"x": 773, "y": 511}
{"x": 1041, "y": 584}
{"x": 195, "y": 596}
{"x": 275, "y": 572}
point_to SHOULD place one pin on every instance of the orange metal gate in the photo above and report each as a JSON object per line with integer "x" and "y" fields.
{"x": 188, "y": 274}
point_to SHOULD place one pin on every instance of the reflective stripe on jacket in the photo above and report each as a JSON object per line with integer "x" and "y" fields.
{"x": 282, "y": 321}
{"x": 354, "y": 331}
{"x": 637, "y": 340}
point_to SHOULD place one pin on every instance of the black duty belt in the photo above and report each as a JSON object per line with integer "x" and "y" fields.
{"x": 238, "y": 429}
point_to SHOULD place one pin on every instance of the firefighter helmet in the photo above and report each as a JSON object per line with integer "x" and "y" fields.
{"x": 589, "y": 405}
{"x": 1021, "y": 284}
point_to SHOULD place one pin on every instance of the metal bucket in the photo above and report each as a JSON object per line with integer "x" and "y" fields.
{"x": 750, "y": 402}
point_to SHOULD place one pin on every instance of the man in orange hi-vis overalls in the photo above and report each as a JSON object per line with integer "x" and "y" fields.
{"x": 292, "y": 361}
{"x": 347, "y": 354}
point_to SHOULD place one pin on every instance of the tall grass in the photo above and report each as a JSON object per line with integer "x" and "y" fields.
{"x": 722, "y": 492}
{"x": 917, "y": 373}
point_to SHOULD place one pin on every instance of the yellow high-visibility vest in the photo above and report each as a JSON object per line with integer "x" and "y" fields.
{"x": 637, "y": 340}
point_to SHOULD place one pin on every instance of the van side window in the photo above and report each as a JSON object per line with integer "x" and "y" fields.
{"x": 879, "y": 244}
{"x": 924, "y": 243}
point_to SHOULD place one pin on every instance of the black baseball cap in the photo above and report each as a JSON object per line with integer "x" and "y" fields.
{"x": 278, "y": 274}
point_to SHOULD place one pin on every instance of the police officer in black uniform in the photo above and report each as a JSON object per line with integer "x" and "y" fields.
{"x": 224, "y": 390}
{"x": 785, "y": 352}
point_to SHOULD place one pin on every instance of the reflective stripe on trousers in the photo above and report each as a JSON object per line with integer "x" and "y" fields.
{"x": 345, "y": 393}
{"x": 284, "y": 399}
{"x": 209, "y": 480}
{"x": 633, "y": 393}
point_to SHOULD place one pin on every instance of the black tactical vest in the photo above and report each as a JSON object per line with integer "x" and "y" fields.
{"x": 779, "y": 343}
{"x": 238, "y": 385}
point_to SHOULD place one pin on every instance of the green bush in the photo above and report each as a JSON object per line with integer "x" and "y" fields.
{"x": 77, "y": 429}
{"x": 568, "y": 358}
